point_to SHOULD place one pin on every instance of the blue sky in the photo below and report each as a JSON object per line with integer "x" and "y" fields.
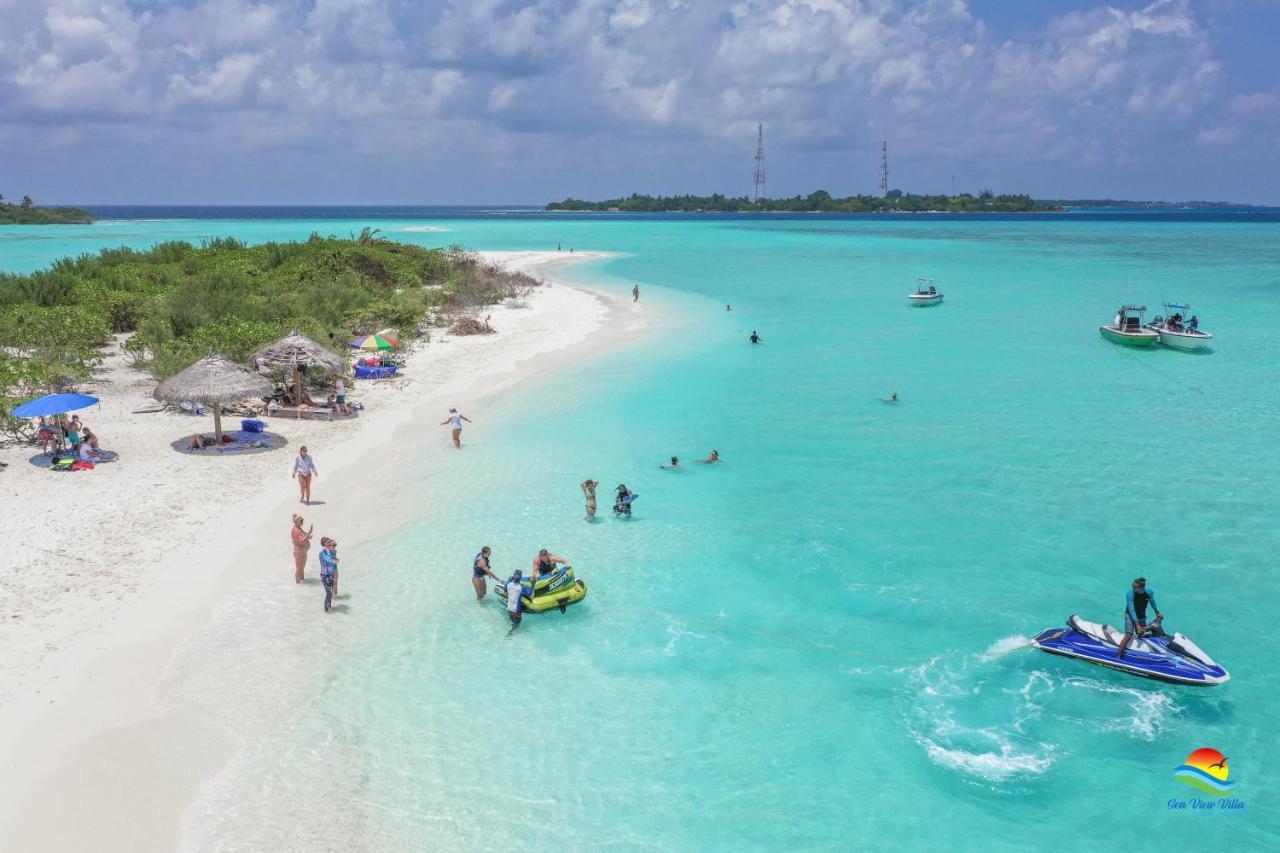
{"x": 514, "y": 101}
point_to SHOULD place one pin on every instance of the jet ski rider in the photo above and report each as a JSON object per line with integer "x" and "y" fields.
{"x": 545, "y": 564}
{"x": 1135, "y": 613}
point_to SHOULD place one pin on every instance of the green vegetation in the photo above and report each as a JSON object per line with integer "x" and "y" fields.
{"x": 816, "y": 202}
{"x": 181, "y": 301}
{"x": 26, "y": 213}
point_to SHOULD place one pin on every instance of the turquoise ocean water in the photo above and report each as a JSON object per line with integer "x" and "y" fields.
{"x": 807, "y": 646}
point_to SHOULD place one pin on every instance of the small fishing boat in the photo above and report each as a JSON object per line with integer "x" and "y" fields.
{"x": 1127, "y": 328}
{"x": 1176, "y": 330}
{"x": 1173, "y": 659}
{"x": 926, "y": 294}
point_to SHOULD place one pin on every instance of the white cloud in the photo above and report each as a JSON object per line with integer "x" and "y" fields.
{"x": 1102, "y": 82}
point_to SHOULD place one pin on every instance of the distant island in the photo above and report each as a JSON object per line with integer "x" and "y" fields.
{"x": 26, "y": 213}
{"x": 895, "y": 201}
{"x": 1113, "y": 202}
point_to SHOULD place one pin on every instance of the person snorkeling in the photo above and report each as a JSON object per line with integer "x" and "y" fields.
{"x": 1137, "y": 600}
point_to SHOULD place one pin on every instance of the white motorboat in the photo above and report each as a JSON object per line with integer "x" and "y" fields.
{"x": 1179, "y": 329}
{"x": 1127, "y": 328}
{"x": 926, "y": 294}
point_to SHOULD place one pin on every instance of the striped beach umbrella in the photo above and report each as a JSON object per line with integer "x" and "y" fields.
{"x": 373, "y": 342}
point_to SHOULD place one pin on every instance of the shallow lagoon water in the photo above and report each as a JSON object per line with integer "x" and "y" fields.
{"x": 813, "y": 644}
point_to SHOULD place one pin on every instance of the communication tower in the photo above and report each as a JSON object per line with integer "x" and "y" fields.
{"x": 758, "y": 181}
{"x": 884, "y": 167}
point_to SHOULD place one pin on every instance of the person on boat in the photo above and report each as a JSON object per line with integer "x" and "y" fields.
{"x": 755, "y": 337}
{"x": 623, "y": 500}
{"x": 1194, "y": 323}
{"x": 1136, "y": 602}
{"x": 932, "y": 290}
{"x": 480, "y": 569}
{"x": 545, "y": 563}
{"x": 515, "y": 590}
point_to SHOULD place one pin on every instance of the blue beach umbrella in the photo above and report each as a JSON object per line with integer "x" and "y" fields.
{"x": 54, "y": 404}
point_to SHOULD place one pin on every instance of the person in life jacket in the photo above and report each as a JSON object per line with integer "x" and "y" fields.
{"x": 1136, "y": 603}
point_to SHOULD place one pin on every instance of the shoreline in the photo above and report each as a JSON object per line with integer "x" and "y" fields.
{"x": 94, "y": 715}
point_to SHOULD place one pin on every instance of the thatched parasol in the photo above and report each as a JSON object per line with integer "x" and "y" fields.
{"x": 214, "y": 381}
{"x": 298, "y": 352}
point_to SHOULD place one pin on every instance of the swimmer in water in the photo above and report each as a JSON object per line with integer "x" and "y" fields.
{"x": 714, "y": 457}
{"x": 892, "y": 398}
{"x": 755, "y": 337}
{"x": 675, "y": 463}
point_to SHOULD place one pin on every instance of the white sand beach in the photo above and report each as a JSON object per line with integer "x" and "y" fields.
{"x": 107, "y": 572}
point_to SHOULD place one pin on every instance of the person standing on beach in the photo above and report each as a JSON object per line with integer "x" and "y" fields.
{"x": 329, "y": 571}
{"x": 340, "y": 396}
{"x": 301, "y": 545}
{"x": 480, "y": 569}
{"x": 304, "y": 468}
{"x": 589, "y": 492}
{"x": 635, "y": 293}
{"x": 456, "y": 419}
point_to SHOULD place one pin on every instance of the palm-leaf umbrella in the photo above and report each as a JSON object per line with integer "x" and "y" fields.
{"x": 214, "y": 381}
{"x": 298, "y": 352}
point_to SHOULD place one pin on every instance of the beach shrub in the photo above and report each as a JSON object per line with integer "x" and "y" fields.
{"x": 177, "y": 302}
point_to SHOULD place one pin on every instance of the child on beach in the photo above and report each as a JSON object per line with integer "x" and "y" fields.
{"x": 329, "y": 570}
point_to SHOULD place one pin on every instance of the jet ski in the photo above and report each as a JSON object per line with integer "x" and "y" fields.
{"x": 556, "y": 590}
{"x": 1173, "y": 659}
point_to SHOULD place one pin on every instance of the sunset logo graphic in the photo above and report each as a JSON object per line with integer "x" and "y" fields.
{"x": 1207, "y": 770}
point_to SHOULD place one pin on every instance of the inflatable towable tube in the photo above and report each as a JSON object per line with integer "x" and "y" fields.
{"x": 557, "y": 590}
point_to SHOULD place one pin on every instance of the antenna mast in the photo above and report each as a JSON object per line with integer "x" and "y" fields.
{"x": 758, "y": 181}
{"x": 884, "y": 167}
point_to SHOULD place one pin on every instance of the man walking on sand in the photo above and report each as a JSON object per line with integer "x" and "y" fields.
{"x": 456, "y": 419}
{"x": 635, "y": 293}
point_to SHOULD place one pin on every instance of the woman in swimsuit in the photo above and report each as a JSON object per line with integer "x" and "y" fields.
{"x": 301, "y": 544}
{"x": 480, "y": 569}
{"x": 303, "y": 469}
{"x": 589, "y": 491}
{"x": 545, "y": 563}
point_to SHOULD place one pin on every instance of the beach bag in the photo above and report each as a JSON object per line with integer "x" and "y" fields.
{"x": 252, "y": 425}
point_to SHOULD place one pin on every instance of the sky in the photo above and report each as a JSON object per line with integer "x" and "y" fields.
{"x": 529, "y": 101}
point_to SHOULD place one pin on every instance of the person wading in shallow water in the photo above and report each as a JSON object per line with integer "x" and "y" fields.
{"x": 755, "y": 337}
{"x": 301, "y": 545}
{"x": 589, "y": 492}
{"x": 456, "y": 419}
{"x": 480, "y": 569}
{"x": 635, "y": 293}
